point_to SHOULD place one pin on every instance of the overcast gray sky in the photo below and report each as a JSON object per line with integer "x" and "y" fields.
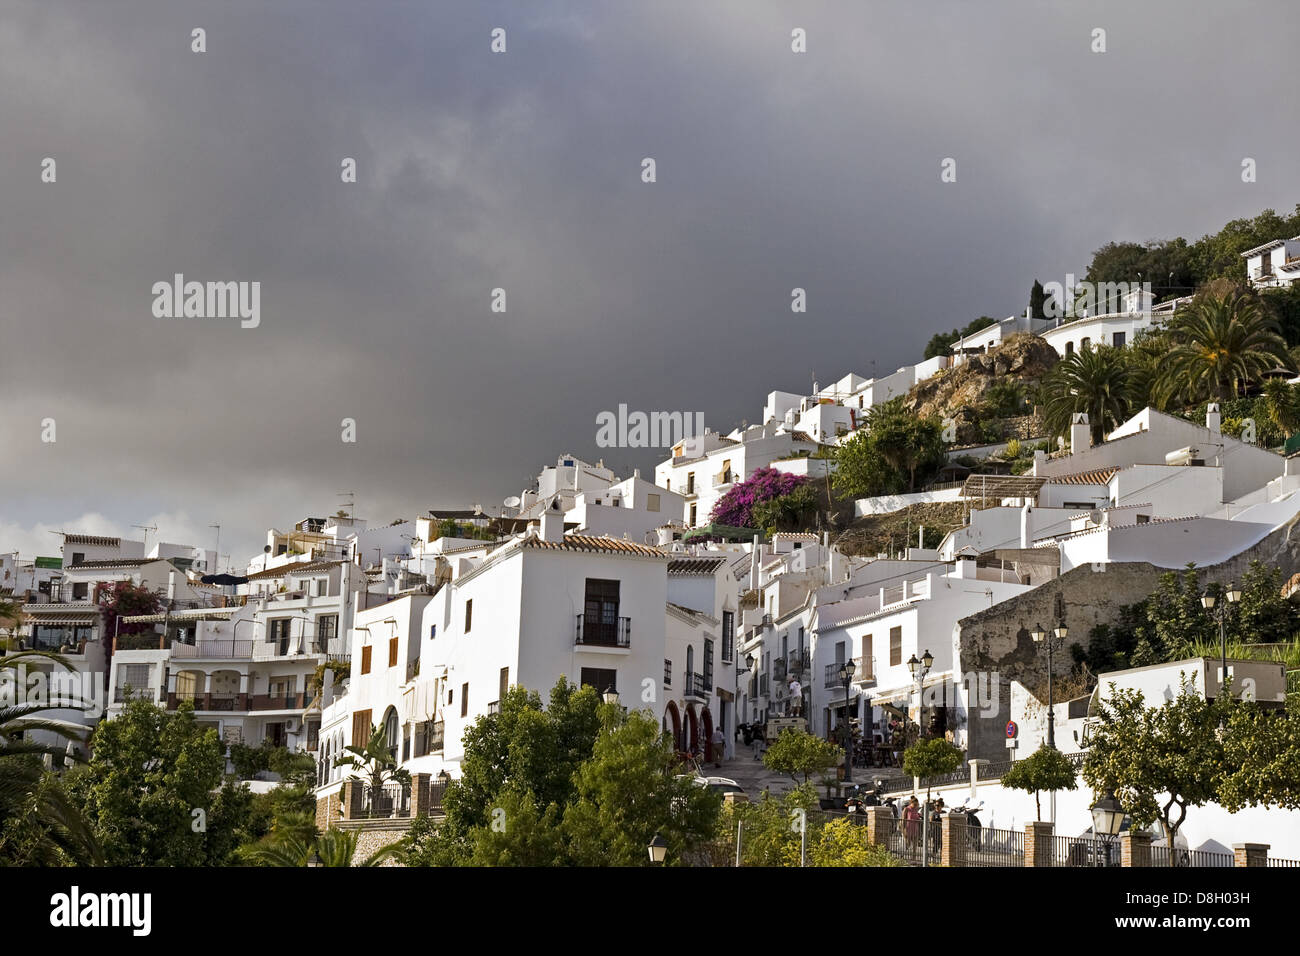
{"x": 522, "y": 171}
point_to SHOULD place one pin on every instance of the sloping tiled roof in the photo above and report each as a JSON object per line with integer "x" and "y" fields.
{"x": 301, "y": 567}
{"x": 591, "y": 543}
{"x": 114, "y": 563}
{"x": 695, "y": 565}
{"x": 1098, "y": 477}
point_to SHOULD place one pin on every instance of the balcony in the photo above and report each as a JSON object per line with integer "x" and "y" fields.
{"x": 723, "y": 478}
{"x": 695, "y": 686}
{"x": 762, "y": 685}
{"x": 122, "y": 694}
{"x": 861, "y": 674}
{"x": 210, "y": 702}
{"x": 798, "y": 662}
{"x": 494, "y": 707}
{"x": 604, "y": 633}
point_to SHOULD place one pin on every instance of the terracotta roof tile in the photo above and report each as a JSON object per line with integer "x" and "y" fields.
{"x": 591, "y": 543}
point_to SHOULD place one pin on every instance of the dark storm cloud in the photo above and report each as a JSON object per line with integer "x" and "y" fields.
{"x": 522, "y": 171}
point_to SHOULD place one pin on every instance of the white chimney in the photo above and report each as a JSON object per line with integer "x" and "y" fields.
{"x": 1040, "y": 460}
{"x": 171, "y": 585}
{"x": 1025, "y": 532}
{"x": 552, "y": 521}
{"x": 965, "y": 568}
{"x": 1080, "y": 433}
{"x": 1213, "y": 420}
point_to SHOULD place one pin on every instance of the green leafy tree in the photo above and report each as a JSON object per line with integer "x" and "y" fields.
{"x": 795, "y": 511}
{"x": 770, "y": 827}
{"x": 149, "y": 789}
{"x": 1260, "y": 757}
{"x": 1040, "y": 302}
{"x": 842, "y": 842}
{"x": 124, "y": 599}
{"x": 797, "y": 753}
{"x": 893, "y": 454}
{"x": 1158, "y": 761}
{"x": 630, "y": 790}
{"x": 1093, "y": 380}
{"x": 931, "y": 758}
{"x": 1175, "y": 622}
{"x": 40, "y": 825}
{"x": 1221, "y": 343}
{"x": 1046, "y": 769}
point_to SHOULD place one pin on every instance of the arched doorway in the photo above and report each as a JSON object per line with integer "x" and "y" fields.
{"x": 708, "y": 737}
{"x": 692, "y": 732}
{"x": 673, "y": 724}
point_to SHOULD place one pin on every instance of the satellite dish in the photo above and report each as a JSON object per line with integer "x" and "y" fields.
{"x": 266, "y": 549}
{"x": 511, "y": 502}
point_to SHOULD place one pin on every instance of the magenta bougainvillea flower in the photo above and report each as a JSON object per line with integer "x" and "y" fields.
{"x": 736, "y": 507}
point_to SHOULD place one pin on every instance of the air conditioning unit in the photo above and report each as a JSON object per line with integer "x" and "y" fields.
{"x": 1185, "y": 456}
{"x": 292, "y": 726}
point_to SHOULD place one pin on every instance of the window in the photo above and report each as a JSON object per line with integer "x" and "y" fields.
{"x": 1143, "y": 519}
{"x": 327, "y": 629}
{"x": 433, "y": 631}
{"x": 690, "y": 482}
{"x": 391, "y": 731}
{"x": 464, "y": 699}
{"x": 868, "y": 661}
{"x": 692, "y": 515}
{"x": 729, "y": 636}
{"x": 504, "y": 684}
{"x": 600, "y": 613}
{"x": 365, "y": 659}
{"x": 78, "y": 557}
{"x": 392, "y": 652}
{"x": 360, "y": 728}
{"x": 895, "y": 646}
{"x": 279, "y": 634}
{"x": 1085, "y": 344}
{"x": 708, "y": 664}
{"x": 651, "y": 502}
{"x": 1118, "y": 339}
{"x": 1069, "y": 348}
{"x": 469, "y": 614}
{"x": 601, "y": 678}
{"x": 80, "y": 591}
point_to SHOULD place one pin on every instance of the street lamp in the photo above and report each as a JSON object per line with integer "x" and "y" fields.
{"x": 1040, "y": 637}
{"x": 735, "y": 701}
{"x": 314, "y": 860}
{"x": 1108, "y": 816}
{"x": 658, "y": 849}
{"x": 918, "y": 669}
{"x": 611, "y": 695}
{"x": 846, "y": 675}
{"x": 1208, "y": 601}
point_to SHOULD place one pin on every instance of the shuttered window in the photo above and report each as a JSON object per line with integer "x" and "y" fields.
{"x": 392, "y": 652}
{"x": 505, "y": 683}
{"x": 365, "y": 660}
{"x": 360, "y": 728}
{"x": 895, "y": 646}
{"x": 464, "y": 699}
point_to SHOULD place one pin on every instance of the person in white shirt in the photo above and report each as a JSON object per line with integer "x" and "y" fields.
{"x": 796, "y": 697}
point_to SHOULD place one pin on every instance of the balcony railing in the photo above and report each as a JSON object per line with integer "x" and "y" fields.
{"x": 861, "y": 675}
{"x": 122, "y": 694}
{"x": 723, "y": 478}
{"x": 603, "y": 633}
{"x": 695, "y": 685}
{"x": 494, "y": 707}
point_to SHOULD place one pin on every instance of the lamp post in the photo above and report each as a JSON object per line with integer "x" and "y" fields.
{"x": 314, "y": 860}
{"x": 1040, "y": 636}
{"x": 1219, "y": 612}
{"x": 610, "y": 696}
{"x": 918, "y": 669}
{"x": 846, "y": 675}
{"x": 658, "y": 848}
{"x": 735, "y": 701}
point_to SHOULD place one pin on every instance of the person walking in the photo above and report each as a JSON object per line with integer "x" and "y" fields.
{"x": 719, "y": 745}
{"x": 911, "y": 823}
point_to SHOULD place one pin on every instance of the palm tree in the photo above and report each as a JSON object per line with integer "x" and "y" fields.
{"x": 1093, "y": 380}
{"x": 376, "y": 763}
{"x": 1221, "y": 344}
{"x": 1283, "y": 403}
{"x": 10, "y": 615}
{"x": 52, "y": 829}
{"x": 334, "y": 847}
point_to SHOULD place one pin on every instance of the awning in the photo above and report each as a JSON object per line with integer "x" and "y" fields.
{"x": 84, "y": 619}
{"x": 190, "y": 614}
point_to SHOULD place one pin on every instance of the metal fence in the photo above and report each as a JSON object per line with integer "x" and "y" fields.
{"x": 988, "y": 846}
{"x": 1083, "y": 851}
{"x": 1275, "y": 861}
{"x": 1192, "y": 858}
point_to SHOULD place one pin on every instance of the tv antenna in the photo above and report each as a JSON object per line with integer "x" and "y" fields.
{"x": 146, "y": 528}
{"x": 351, "y": 503}
{"x": 217, "y": 556}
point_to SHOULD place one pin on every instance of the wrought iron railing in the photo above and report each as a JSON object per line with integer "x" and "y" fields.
{"x": 604, "y": 633}
{"x": 1191, "y": 858}
{"x": 695, "y": 686}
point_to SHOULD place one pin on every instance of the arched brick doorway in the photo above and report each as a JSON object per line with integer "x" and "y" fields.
{"x": 692, "y": 732}
{"x": 707, "y": 719}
